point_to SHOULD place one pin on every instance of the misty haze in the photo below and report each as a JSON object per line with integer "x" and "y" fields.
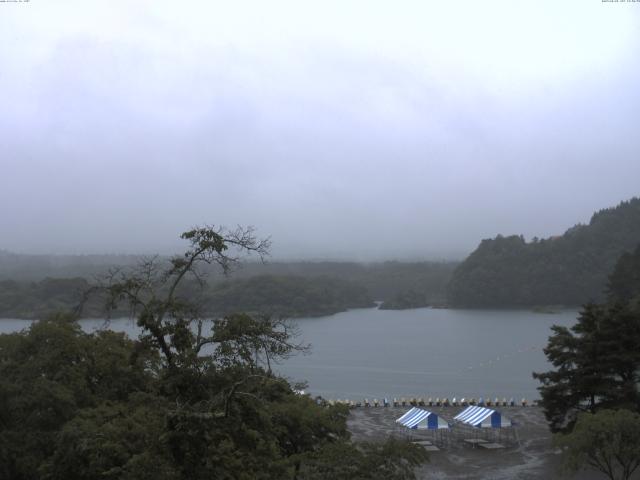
{"x": 244, "y": 240}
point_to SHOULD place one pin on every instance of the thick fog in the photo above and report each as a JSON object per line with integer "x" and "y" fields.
{"x": 345, "y": 130}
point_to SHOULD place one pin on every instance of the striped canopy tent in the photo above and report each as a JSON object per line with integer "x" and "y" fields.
{"x": 482, "y": 417}
{"x": 418, "y": 418}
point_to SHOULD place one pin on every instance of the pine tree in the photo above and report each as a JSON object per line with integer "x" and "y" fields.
{"x": 597, "y": 361}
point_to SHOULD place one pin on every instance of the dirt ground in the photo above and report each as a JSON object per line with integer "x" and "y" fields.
{"x": 532, "y": 456}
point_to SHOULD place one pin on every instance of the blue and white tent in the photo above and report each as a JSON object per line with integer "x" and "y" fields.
{"x": 417, "y": 418}
{"x": 482, "y": 417}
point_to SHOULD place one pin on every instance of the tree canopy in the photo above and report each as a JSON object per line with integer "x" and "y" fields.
{"x": 570, "y": 269}
{"x": 191, "y": 398}
{"x": 608, "y": 441}
{"x": 597, "y": 361}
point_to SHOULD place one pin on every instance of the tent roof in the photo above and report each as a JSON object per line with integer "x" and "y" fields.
{"x": 482, "y": 417}
{"x": 419, "y": 418}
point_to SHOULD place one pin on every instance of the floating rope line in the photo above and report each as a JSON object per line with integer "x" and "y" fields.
{"x": 500, "y": 358}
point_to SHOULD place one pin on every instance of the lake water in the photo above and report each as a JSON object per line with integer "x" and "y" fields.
{"x": 370, "y": 353}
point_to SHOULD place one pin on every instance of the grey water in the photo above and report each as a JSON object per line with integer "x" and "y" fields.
{"x": 371, "y": 353}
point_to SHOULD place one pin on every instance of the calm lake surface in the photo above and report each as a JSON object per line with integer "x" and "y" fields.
{"x": 370, "y": 353}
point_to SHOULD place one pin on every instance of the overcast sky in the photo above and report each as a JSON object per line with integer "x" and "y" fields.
{"x": 342, "y": 129}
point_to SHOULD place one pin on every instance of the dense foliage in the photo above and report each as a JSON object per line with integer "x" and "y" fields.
{"x": 608, "y": 441}
{"x": 624, "y": 282}
{"x": 405, "y": 300}
{"x": 570, "y": 269}
{"x": 382, "y": 280}
{"x": 83, "y": 406}
{"x": 597, "y": 365}
{"x": 286, "y": 296}
{"x": 283, "y": 289}
{"x": 189, "y": 399}
{"x": 35, "y": 299}
{"x": 596, "y": 361}
{"x": 388, "y": 280}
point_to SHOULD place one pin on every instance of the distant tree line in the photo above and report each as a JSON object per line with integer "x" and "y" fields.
{"x": 284, "y": 296}
{"x": 289, "y": 296}
{"x": 34, "y": 300}
{"x": 567, "y": 270}
{"x": 405, "y": 300}
{"x": 296, "y": 289}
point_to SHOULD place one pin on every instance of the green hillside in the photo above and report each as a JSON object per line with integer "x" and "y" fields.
{"x": 566, "y": 270}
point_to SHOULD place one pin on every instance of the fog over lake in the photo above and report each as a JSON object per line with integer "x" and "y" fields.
{"x": 422, "y": 352}
{"x": 425, "y": 125}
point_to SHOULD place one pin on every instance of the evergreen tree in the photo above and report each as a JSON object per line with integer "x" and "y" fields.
{"x": 624, "y": 282}
{"x": 596, "y": 361}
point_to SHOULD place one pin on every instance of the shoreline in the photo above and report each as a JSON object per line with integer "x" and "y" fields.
{"x": 534, "y": 456}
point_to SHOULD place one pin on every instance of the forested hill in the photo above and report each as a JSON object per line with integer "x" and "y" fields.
{"x": 567, "y": 270}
